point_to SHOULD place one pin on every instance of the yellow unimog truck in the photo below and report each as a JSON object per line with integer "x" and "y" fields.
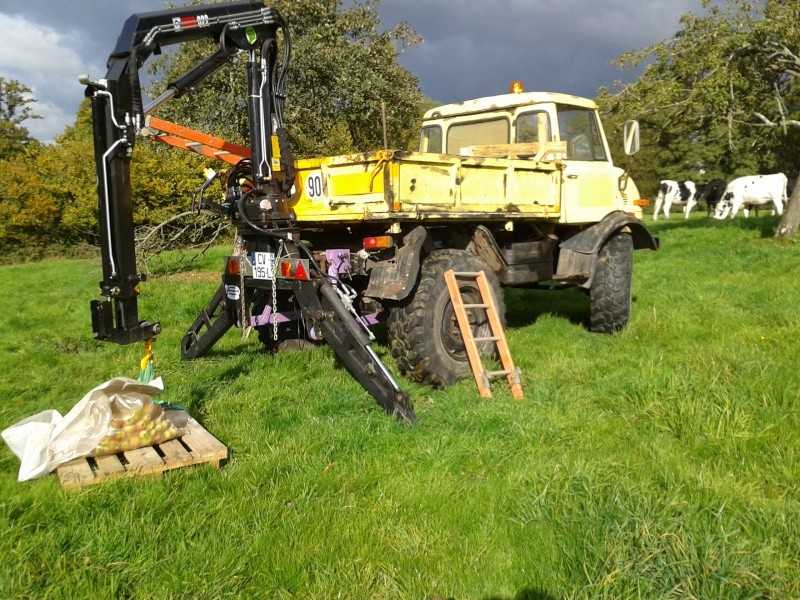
{"x": 520, "y": 186}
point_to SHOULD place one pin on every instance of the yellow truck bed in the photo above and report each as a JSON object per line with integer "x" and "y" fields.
{"x": 388, "y": 185}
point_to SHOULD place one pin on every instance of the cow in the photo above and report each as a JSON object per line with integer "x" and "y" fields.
{"x": 711, "y": 192}
{"x": 751, "y": 191}
{"x": 673, "y": 192}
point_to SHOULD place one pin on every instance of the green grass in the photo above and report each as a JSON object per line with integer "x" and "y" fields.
{"x": 661, "y": 462}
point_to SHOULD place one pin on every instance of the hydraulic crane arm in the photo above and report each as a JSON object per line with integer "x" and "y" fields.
{"x": 118, "y": 114}
{"x": 259, "y": 207}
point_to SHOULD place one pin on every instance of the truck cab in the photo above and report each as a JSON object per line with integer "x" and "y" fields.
{"x": 550, "y": 126}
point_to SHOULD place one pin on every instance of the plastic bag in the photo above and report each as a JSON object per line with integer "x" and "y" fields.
{"x": 136, "y": 422}
{"x": 46, "y": 440}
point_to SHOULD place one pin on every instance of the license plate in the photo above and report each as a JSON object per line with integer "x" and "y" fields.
{"x": 263, "y": 265}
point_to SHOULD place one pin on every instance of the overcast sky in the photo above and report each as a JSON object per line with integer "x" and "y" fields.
{"x": 471, "y": 48}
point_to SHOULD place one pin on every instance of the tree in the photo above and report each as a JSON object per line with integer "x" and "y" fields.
{"x": 51, "y": 201}
{"x": 343, "y": 67}
{"x": 721, "y": 95}
{"x": 15, "y": 101}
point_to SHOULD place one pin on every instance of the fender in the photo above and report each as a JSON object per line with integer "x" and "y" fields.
{"x": 394, "y": 279}
{"x": 577, "y": 258}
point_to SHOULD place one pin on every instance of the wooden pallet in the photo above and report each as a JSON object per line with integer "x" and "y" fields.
{"x": 195, "y": 446}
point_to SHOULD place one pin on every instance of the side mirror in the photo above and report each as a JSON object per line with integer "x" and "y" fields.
{"x": 630, "y": 134}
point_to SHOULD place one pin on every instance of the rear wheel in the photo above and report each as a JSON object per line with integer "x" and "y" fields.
{"x": 423, "y": 333}
{"x": 610, "y": 294}
{"x": 286, "y": 335}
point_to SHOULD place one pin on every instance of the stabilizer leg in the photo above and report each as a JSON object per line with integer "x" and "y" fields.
{"x": 216, "y": 319}
{"x": 352, "y": 345}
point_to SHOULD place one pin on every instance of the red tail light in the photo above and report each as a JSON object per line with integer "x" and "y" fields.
{"x": 300, "y": 272}
{"x": 293, "y": 268}
{"x": 232, "y": 266}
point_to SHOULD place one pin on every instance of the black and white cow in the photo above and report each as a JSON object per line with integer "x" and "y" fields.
{"x": 711, "y": 192}
{"x": 673, "y": 192}
{"x": 752, "y": 191}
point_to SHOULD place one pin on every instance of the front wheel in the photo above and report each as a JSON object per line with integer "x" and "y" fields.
{"x": 610, "y": 293}
{"x": 423, "y": 333}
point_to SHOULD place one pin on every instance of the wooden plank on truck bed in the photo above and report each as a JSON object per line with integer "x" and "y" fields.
{"x": 195, "y": 446}
{"x": 550, "y": 151}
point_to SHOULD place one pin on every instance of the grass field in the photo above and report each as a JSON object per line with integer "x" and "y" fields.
{"x": 663, "y": 462}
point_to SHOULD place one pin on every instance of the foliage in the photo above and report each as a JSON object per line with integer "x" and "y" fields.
{"x": 27, "y": 204}
{"x": 631, "y": 469}
{"x": 49, "y": 196}
{"x": 15, "y": 109}
{"x": 716, "y": 98}
{"x": 343, "y": 66}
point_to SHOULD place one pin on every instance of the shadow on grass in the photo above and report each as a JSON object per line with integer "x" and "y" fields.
{"x": 526, "y": 594}
{"x": 524, "y": 307}
{"x": 198, "y": 392}
{"x": 523, "y": 594}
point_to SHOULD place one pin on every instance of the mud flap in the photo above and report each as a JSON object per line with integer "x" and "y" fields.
{"x": 578, "y": 255}
{"x": 394, "y": 279}
{"x": 209, "y": 326}
{"x": 351, "y": 343}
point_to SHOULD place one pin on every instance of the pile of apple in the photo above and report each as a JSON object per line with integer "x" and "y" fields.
{"x": 144, "y": 426}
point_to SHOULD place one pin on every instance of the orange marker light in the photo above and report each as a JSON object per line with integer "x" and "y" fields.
{"x": 381, "y": 241}
{"x": 294, "y": 268}
{"x": 516, "y": 87}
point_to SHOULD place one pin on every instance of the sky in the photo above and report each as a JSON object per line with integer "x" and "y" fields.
{"x": 471, "y": 48}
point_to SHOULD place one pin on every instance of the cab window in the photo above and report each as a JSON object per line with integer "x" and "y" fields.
{"x": 431, "y": 139}
{"x": 477, "y": 133}
{"x": 533, "y": 127}
{"x": 578, "y": 127}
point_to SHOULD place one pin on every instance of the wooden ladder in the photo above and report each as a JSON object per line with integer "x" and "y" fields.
{"x": 482, "y": 376}
{"x": 184, "y": 138}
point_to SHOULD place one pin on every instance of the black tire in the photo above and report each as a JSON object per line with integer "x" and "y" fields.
{"x": 423, "y": 332}
{"x": 610, "y": 294}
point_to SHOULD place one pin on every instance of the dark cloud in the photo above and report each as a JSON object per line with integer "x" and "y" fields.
{"x": 477, "y": 48}
{"x": 470, "y": 49}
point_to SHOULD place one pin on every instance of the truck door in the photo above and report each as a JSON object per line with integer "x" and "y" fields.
{"x": 589, "y": 187}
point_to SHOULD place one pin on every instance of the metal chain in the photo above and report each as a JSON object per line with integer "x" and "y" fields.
{"x": 240, "y": 251}
{"x": 273, "y": 280}
{"x": 274, "y": 315}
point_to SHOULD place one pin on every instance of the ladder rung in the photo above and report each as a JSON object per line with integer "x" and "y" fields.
{"x": 466, "y": 273}
{"x": 476, "y": 306}
{"x": 497, "y": 373}
{"x": 489, "y": 338}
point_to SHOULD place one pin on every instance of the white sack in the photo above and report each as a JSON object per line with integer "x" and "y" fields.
{"x": 46, "y": 440}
